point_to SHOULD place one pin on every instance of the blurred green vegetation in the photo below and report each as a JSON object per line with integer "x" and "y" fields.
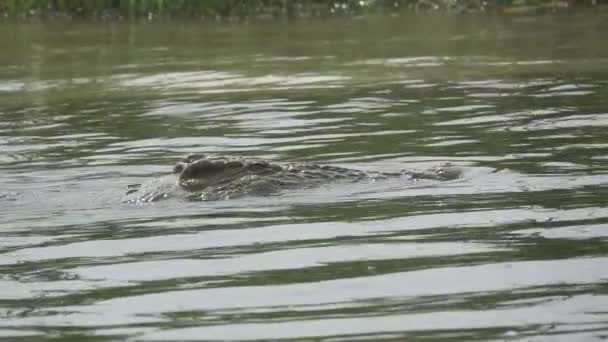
{"x": 265, "y": 9}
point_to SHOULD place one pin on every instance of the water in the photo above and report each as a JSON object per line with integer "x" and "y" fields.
{"x": 514, "y": 249}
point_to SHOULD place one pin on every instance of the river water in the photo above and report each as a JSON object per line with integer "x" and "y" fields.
{"x": 513, "y": 249}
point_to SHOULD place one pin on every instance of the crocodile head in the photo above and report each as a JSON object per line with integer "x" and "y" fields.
{"x": 189, "y": 159}
{"x": 197, "y": 172}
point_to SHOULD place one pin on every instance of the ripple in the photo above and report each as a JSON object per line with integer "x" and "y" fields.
{"x": 419, "y": 323}
{"x": 219, "y": 82}
{"x": 590, "y": 231}
{"x": 284, "y": 233}
{"x": 275, "y": 260}
{"x": 441, "y": 281}
{"x": 571, "y": 121}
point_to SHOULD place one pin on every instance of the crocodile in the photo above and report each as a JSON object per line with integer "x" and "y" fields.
{"x": 204, "y": 177}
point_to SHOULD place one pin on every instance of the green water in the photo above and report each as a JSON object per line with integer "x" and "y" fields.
{"x": 514, "y": 249}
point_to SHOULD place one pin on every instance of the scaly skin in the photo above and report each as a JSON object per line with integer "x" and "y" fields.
{"x": 222, "y": 178}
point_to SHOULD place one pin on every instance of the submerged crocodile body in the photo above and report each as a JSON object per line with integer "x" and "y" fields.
{"x": 212, "y": 178}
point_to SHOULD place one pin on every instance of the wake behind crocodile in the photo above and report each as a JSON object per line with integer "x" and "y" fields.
{"x": 203, "y": 177}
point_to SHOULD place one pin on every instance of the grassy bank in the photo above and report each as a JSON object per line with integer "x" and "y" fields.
{"x": 264, "y": 9}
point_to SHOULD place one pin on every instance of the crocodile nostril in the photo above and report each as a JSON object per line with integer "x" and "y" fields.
{"x": 186, "y": 161}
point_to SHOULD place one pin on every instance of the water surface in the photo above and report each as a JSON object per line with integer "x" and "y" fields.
{"x": 514, "y": 249}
